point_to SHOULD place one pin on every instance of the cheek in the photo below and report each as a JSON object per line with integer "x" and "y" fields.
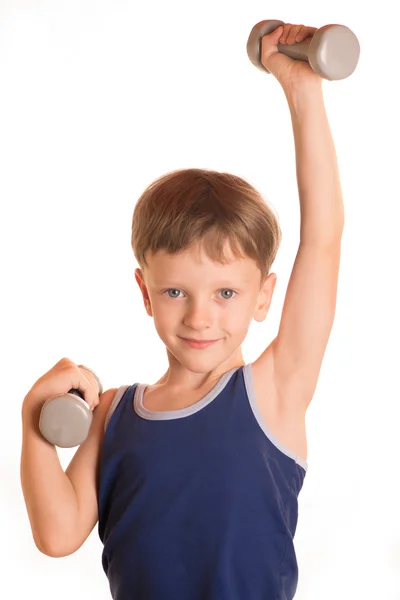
{"x": 237, "y": 319}
{"x": 242, "y": 317}
{"x": 163, "y": 314}
{"x": 166, "y": 314}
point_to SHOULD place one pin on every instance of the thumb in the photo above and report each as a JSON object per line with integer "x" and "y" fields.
{"x": 269, "y": 43}
{"x": 273, "y": 37}
{"x": 271, "y": 58}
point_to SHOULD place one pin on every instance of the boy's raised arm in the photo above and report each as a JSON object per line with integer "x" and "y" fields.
{"x": 310, "y": 302}
{"x": 318, "y": 181}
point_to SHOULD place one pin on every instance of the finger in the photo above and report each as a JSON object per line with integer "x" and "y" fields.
{"x": 269, "y": 44}
{"x": 88, "y": 386}
{"x": 286, "y": 30}
{"x": 293, "y": 33}
{"x": 76, "y": 379}
{"x": 272, "y": 38}
{"x": 97, "y": 386}
{"x": 95, "y": 378}
{"x": 304, "y": 33}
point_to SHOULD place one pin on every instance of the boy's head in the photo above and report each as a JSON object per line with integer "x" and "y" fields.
{"x": 205, "y": 242}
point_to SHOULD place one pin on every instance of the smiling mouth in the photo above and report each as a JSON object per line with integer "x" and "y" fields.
{"x": 199, "y": 344}
{"x": 199, "y": 341}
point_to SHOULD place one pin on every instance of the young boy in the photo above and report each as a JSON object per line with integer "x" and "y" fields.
{"x": 194, "y": 480}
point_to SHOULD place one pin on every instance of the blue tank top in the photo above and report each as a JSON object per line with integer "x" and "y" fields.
{"x": 198, "y": 503}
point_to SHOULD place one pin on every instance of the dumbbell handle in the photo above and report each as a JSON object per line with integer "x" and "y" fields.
{"x": 332, "y": 52}
{"x": 298, "y": 51}
{"x": 77, "y": 393}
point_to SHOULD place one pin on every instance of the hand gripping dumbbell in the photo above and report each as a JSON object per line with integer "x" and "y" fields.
{"x": 332, "y": 52}
{"x": 65, "y": 419}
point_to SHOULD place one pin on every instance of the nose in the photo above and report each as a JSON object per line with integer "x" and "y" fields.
{"x": 198, "y": 317}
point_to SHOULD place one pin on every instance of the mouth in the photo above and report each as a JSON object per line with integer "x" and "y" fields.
{"x": 199, "y": 343}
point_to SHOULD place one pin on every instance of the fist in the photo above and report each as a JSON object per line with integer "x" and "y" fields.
{"x": 286, "y": 70}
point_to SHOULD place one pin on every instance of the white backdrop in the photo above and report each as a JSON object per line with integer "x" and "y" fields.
{"x": 97, "y": 99}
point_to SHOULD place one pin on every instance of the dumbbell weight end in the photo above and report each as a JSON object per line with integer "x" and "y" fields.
{"x": 65, "y": 420}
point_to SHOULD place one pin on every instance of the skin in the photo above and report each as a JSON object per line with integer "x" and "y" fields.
{"x": 204, "y": 308}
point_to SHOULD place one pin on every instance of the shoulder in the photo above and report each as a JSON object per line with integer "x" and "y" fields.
{"x": 107, "y": 397}
{"x": 101, "y": 411}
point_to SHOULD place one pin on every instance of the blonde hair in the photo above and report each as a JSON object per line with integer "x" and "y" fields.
{"x": 188, "y": 206}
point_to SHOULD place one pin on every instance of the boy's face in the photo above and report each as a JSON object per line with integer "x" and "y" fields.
{"x": 190, "y": 296}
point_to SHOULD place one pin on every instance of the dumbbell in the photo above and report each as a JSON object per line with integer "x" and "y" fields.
{"x": 332, "y": 52}
{"x": 65, "y": 419}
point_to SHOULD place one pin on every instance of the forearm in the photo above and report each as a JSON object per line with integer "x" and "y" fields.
{"x": 49, "y": 496}
{"x": 320, "y": 194}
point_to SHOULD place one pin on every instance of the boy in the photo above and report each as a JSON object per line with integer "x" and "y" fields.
{"x": 194, "y": 480}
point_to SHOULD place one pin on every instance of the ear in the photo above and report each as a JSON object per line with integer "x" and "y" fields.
{"x": 138, "y": 275}
{"x": 143, "y": 288}
{"x": 265, "y": 297}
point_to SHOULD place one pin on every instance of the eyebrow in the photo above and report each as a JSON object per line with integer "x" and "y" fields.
{"x": 222, "y": 283}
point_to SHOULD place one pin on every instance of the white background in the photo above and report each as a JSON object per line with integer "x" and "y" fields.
{"x": 97, "y": 99}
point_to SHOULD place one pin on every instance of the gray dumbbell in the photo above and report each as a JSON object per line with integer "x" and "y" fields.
{"x": 65, "y": 419}
{"x": 332, "y": 52}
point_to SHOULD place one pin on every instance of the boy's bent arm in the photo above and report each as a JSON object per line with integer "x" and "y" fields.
{"x": 62, "y": 507}
{"x": 83, "y": 472}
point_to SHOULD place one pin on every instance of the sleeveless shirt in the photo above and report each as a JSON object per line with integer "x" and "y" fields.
{"x": 199, "y": 503}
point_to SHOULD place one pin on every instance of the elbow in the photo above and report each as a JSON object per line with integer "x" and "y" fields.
{"x": 54, "y": 550}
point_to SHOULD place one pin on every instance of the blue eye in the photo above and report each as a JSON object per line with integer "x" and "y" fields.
{"x": 174, "y": 289}
{"x": 228, "y": 290}
{"x": 177, "y": 290}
